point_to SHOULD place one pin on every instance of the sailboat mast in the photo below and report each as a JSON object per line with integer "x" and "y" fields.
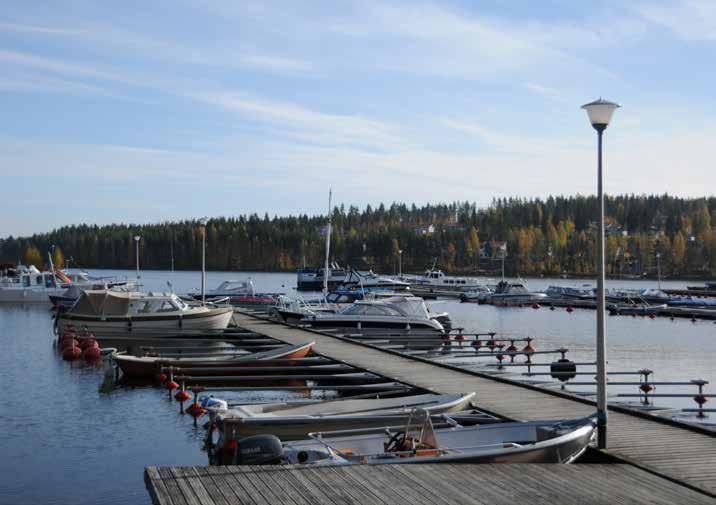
{"x": 326, "y": 267}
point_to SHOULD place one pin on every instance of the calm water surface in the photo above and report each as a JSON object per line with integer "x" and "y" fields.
{"x": 71, "y": 437}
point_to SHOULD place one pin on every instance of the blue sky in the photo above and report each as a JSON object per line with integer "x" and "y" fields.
{"x": 150, "y": 111}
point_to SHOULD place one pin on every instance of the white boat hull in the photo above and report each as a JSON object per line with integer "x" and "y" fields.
{"x": 212, "y": 320}
{"x": 28, "y": 295}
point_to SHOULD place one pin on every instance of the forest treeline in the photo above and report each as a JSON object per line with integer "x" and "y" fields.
{"x": 541, "y": 237}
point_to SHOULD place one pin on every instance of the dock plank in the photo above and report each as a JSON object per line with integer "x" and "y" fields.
{"x": 439, "y": 484}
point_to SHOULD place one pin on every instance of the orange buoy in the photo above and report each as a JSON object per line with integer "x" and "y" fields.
{"x": 71, "y": 353}
{"x": 182, "y": 396}
{"x": 92, "y": 354}
{"x": 172, "y": 385}
{"x": 528, "y": 349}
{"x": 195, "y": 410}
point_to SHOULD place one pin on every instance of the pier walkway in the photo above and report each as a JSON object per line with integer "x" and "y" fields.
{"x": 683, "y": 454}
{"x": 415, "y": 485}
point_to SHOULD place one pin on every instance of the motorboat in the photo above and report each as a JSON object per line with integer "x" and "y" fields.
{"x": 418, "y": 441}
{"x": 116, "y": 314}
{"x": 28, "y": 284}
{"x": 357, "y": 279}
{"x": 396, "y": 312}
{"x": 637, "y": 296}
{"x": 434, "y": 278}
{"x": 568, "y": 293}
{"x": 514, "y": 293}
{"x": 311, "y": 279}
{"x": 146, "y": 366}
{"x": 639, "y": 309}
{"x": 295, "y": 420}
{"x": 479, "y": 294}
{"x": 692, "y": 301}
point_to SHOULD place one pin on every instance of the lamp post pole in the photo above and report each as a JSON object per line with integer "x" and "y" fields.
{"x": 137, "y": 238}
{"x": 203, "y": 222}
{"x": 600, "y": 113}
{"x": 400, "y": 263}
{"x": 658, "y": 269}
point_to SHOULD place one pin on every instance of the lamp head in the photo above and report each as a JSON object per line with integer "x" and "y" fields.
{"x": 600, "y": 113}
{"x": 137, "y": 238}
{"x": 203, "y": 221}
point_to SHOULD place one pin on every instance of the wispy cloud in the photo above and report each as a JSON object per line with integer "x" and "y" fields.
{"x": 41, "y": 30}
{"x": 307, "y": 124}
{"x": 689, "y": 19}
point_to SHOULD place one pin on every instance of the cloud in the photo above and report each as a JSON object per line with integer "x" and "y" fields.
{"x": 688, "y": 19}
{"x": 309, "y": 125}
{"x": 41, "y": 30}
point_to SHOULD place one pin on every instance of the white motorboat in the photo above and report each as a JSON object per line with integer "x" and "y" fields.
{"x": 29, "y": 285}
{"x": 419, "y": 442}
{"x": 311, "y": 279}
{"x": 478, "y": 294}
{"x": 357, "y": 279}
{"x": 294, "y": 421}
{"x": 396, "y": 313}
{"x": 115, "y": 314}
{"x": 435, "y": 278}
{"x": 514, "y": 293}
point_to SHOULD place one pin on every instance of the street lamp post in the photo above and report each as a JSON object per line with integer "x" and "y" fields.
{"x": 658, "y": 269}
{"x": 203, "y": 222}
{"x": 137, "y": 238}
{"x": 400, "y": 263}
{"x": 600, "y": 113}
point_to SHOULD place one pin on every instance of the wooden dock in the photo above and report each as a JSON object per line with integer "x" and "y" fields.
{"x": 682, "y": 453}
{"x": 415, "y": 485}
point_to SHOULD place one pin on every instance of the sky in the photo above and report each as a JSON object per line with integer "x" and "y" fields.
{"x": 140, "y": 111}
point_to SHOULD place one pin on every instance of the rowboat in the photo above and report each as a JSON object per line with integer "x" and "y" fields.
{"x": 561, "y": 441}
{"x": 145, "y": 366}
{"x": 291, "y": 421}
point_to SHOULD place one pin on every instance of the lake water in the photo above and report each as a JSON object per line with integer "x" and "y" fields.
{"x": 70, "y": 437}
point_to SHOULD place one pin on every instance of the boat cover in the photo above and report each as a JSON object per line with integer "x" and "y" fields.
{"x": 102, "y": 302}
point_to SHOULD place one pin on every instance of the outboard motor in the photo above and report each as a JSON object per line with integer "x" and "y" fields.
{"x": 259, "y": 450}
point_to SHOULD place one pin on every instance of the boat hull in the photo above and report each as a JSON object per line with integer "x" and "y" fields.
{"x": 154, "y": 325}
{"x": 149, "y": 366}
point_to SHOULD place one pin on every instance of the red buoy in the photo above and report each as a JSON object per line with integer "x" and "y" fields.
{"x": 652, "y": 316}
{"x": 87, "y": 343}
{"x": 569, "y": 308}
{"x": 646, "y": 388}
{"x": 172, "y": 385}
{"x": 445, "y": 338}
{"x": 477, "y": 343}
{"x": 700, "y": 399}
{"x": 535, "y": 305}
{"x": 551, "y": 307}
{"x": 163, "y": 378}
{"x": 71, "y": 353}
{"x": 195, "y": 410}
{"x": 182, "y": 396}
{"x": 92, "y": 354}
{"x": 68, "y": 342}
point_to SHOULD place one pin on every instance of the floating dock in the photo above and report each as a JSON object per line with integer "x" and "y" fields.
{"x": 415, "y": 485}
{"x": 663, "y": 456}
